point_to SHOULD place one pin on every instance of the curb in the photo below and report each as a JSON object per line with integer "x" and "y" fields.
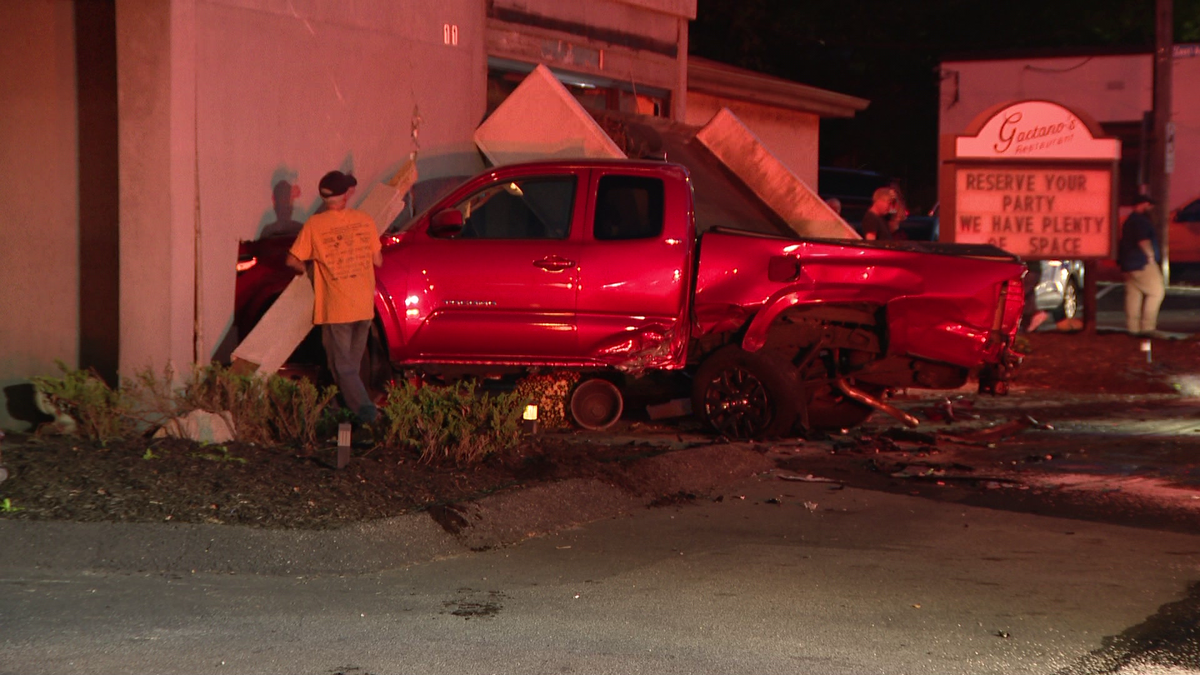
{"x": 494, "y": 521}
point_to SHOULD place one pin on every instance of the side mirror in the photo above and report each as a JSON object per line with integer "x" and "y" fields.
{"x": 448, "y": 223}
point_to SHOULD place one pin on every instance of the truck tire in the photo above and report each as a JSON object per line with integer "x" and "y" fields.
{"x": 745, "y": 395}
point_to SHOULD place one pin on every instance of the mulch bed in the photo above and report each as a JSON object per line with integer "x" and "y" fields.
{"x": 146, "y": 480}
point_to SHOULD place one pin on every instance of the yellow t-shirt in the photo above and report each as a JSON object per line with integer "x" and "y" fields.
{"x": 342, "y": 245}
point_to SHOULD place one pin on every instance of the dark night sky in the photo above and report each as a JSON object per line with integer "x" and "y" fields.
{"x": 888, "y": 52}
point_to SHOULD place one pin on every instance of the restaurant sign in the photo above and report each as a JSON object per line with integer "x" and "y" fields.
{"x": 1033, "y": 180}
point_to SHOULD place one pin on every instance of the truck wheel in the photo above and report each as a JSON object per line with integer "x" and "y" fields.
{"x": 596, "y": 404}
{"x": 744, "y": 394}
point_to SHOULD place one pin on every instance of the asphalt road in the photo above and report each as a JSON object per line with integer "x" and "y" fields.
{"x": 1180, "y": 311}
{"x": 774, "y": 577}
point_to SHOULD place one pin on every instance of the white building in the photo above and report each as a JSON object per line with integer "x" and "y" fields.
{"x": 140, "y": 140}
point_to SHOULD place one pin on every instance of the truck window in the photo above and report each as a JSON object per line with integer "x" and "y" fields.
{"x": 526, "y": 208}
{"x": 628, "y": 207}
{"x": 1189, "y": 213}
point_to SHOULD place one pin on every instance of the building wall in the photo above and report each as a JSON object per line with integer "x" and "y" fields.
{"x": 39, "y": 224}
{"x": 1108, "y": 88}
{"x": 245, "y": 94}
{"x": 790, "y": 135}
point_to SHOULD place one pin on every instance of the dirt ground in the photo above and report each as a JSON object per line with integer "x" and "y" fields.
{"x": 145, "y": 480}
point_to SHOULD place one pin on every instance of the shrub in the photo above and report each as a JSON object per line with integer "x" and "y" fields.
{"x": 102, "y": 413}
{"x": 216, "y": 388}
{"x": 297, "y": 407}
{"x": 274, "y": 410}
{"x": 453, "y": 422}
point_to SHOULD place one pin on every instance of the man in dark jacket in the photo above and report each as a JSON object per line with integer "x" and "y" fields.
{"x": 1140, "y": 258}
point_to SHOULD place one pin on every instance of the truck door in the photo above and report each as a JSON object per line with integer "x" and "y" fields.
{"x": 505, "y": 287}
{"x": 635, "y": 277}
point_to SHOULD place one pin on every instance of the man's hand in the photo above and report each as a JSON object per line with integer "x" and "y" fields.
{"x": 296, "y": 264}
{"x": 1148, "y": 249}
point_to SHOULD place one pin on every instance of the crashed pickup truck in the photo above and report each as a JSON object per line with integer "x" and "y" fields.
{"x": 596, "y": 266}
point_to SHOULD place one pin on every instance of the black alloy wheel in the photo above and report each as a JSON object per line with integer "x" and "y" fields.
{"x": 745, "y": 395}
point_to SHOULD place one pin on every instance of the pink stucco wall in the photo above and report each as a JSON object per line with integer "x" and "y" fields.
{"x": 39, "y": 233}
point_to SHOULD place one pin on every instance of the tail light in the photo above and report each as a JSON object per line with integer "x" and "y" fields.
{"x": 244, "y": 264}
{"x": 1009, "y": 307}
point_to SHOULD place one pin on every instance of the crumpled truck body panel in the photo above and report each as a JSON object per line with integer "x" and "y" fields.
{"x": 959, "y": 305}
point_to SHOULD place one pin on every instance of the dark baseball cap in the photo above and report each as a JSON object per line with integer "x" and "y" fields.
{"x": 336, "y": 183}
{"x": 1142, "y": 199}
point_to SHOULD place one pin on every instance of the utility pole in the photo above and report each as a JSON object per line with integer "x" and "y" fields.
{"x": 1162, "y": 156}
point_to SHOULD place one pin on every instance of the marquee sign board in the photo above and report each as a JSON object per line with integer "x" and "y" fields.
{"x": 1032, "y": 178}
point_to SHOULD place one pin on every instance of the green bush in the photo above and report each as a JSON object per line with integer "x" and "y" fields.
{"x": 297, "y": 407}
{"x": 268, "y": 411}
{"x": 216, "y": 388}
{"x": 101, "y": 413}
{"x": 456, "y": 422}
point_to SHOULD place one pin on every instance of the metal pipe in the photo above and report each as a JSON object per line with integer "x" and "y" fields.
{"x": 866, "y": 399}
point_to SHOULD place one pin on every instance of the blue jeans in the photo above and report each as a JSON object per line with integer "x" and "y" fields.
{"x": 345, "y": 345}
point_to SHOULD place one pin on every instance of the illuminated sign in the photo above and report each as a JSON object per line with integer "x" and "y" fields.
{"x": 1036, "y": 129}
{"x": 1032, "y": 178}
{"x": 1035, "y": 212}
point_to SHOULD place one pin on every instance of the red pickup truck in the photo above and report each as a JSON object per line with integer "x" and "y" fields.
{"x": 597, "y": 266}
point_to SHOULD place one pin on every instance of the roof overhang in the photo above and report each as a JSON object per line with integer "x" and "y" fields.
{"x": 718, "y": 79}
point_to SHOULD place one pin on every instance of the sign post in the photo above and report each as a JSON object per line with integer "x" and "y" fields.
{"x": 1035, "y": 179}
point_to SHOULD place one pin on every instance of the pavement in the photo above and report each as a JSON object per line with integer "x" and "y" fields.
{"x": 1178, "y": 314}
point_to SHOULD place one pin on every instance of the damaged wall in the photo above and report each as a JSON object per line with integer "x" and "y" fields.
{"x": 245, "y": 94}
{"x": 791, "y": 135}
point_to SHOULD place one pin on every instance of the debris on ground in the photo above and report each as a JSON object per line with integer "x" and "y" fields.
{"x": 996, "y": 433}
{"x": 809, "y": 479}
{"x": 909, "y": 436}
{"x": 200, "y": 425}
{"x": 952, "y": 410}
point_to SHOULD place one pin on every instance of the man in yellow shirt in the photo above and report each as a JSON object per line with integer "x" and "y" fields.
{"x": 343, "y": 246}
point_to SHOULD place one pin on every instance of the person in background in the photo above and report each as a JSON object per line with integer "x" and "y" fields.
{"x": 344, "y": 248}
{"x": 1140, "y": 257}
{"x": 881, "y": 220}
